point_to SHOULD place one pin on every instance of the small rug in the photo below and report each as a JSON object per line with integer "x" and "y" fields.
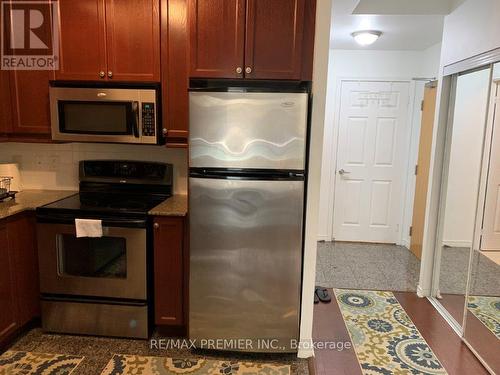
{"x": 487, "y": 310}
{"x": 134, "y": 364}
{"x": 28, "y": 363}
{"x": 384, "y": 338}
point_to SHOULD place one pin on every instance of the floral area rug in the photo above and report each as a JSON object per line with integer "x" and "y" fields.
{"x": 28, "y": 363}
{"x": 133, "y": 364}
{"x": 384, "y": 338}
{"x": 487, "y": 310}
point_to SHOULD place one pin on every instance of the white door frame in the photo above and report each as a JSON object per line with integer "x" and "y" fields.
{"x": 334, "y": 148}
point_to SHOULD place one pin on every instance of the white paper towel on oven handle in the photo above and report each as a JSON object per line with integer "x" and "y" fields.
{"x": 88, "y": 228}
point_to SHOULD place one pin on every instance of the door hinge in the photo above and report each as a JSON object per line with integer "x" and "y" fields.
{"x": 422, "y": 105}
{"x": 410, "y": 231}
{"x": 416, "y": 169}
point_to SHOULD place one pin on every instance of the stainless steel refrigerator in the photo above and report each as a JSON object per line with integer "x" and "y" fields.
{"x": 246, "y": 195}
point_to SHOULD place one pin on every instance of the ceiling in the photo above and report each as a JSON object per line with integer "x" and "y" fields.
{"x": 401, "y": 31}
{"x": 409, "y": 7}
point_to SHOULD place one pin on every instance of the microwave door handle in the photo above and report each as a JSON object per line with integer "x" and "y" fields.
{"x": 135, "y": 110}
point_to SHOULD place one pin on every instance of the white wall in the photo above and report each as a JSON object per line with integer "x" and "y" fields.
{"x": 320, "y": 76}
{"x": 55, "y": 166}
{"x": 369, "y": 64}
{"x": 473, "y": 28}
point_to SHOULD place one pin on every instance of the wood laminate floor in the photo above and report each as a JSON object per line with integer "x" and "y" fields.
{"x": 449, "y": 348}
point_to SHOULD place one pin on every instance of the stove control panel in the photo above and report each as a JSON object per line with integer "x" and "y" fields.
{"x": 148, "y": 119}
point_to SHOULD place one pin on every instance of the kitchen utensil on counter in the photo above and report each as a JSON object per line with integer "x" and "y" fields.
{"x": 12, "y": 170}
{"x": 5, "y": 191}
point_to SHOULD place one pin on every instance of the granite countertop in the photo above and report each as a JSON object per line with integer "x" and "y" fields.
{"x": 27, "y": 200}
{"x": 176, "y": 205}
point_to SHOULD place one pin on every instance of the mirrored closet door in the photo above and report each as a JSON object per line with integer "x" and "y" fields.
{"x": 460, "y": 188}
{"x": 482, "y": 318}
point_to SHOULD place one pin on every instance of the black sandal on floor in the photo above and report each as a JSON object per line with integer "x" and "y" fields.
{"x": 316, "y": 298}
{"x": 322, "y": 294}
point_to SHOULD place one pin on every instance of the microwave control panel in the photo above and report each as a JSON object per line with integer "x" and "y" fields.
{"x": 148, "y": 119}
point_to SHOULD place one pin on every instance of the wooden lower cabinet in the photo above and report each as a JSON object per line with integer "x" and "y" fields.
{"x": 170, "y": 271}
{"x": 19, "y": 285}
{"x": 8, "y": 311}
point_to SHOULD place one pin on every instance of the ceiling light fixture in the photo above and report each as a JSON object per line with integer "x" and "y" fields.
{"x": 366, "y": 37}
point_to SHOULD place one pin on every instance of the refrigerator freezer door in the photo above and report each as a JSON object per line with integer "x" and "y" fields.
{"x": 246, "y": 254}
{"x": 248, "y": 130}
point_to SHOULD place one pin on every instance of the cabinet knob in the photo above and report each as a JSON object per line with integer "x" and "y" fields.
{"x": 248, "y": 70}
{"x": 156, "y": 225}
{"x": 110, "y": 74}
{"x": 164, "y": 131}
{"x": 239, "y": 70}
{"x": 102, "y": 74}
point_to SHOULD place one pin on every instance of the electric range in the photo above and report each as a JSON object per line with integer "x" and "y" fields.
{"x": 101, "y": 285}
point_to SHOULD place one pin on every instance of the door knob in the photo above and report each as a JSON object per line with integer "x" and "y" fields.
{"x": 343, "y": 172}
{"x": 239, "y": 70}
{"x": 110, "y": 74}
{"x": 102, "y": 74}
{"x": 248, "y": 70}
{"x": 156, "y": 225}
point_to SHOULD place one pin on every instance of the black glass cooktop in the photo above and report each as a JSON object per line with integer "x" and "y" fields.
{"x": 106, "y": 203}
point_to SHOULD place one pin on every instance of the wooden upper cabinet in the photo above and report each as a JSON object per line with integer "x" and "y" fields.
{"x": 29, "y": 90}
{"x": 109, "y": 40}
{"x": 175, "y": 72}
{"x": 82, "y": 40}
{"x": 274, "y": 37}
{"x": 133, "y": 40}
{"x": 252, "y": 39}
{"x": 217, "y": 32}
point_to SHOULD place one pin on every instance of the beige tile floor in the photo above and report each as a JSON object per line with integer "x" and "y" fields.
{"x": 366, "y": 266}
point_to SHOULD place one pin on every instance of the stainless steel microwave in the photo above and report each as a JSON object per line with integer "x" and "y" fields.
{"x": 117, "y": 115}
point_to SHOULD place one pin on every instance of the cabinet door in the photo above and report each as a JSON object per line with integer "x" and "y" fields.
{"x": 24, "y": 258}
{"x": 8, "y": 310}
{"x": 217, "y": 29}
{"x": 169, "y": 270}
{"x": 175, "y": 80}
{"x": 82, "y": 39}
{"x": 5, "y": 103}
{"x": 274, "y": 37}
{"x": 30, "y": 101}
{"x": 133, "y": 40}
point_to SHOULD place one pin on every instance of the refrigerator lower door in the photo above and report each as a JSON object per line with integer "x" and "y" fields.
{"x": 246, "y": 256}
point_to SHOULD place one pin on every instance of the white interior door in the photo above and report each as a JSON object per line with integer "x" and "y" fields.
{"x": 490, "y": 240}
{"x": 371, "y": 160}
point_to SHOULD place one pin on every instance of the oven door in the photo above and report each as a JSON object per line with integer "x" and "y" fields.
{"x": 112, "y": 266}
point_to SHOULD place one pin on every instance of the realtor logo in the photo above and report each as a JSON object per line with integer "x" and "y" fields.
{"x": 29, "y": 35}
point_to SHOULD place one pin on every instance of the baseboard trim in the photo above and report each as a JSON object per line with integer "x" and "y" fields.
{"x": 458, "y": 243}
{"x": 307, "y": 352}
{"x": 422, "y": 293}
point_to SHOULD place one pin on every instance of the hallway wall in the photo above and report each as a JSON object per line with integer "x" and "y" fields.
{"x": 369, "y": 64}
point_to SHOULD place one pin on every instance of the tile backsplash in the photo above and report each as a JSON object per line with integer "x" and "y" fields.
{"x": 55, "y": 166}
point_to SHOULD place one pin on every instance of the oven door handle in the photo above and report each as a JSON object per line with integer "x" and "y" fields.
{"x": 106, "y": 222}
{"x": 135, "y": 111}
{"x": 126, "y": 222}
